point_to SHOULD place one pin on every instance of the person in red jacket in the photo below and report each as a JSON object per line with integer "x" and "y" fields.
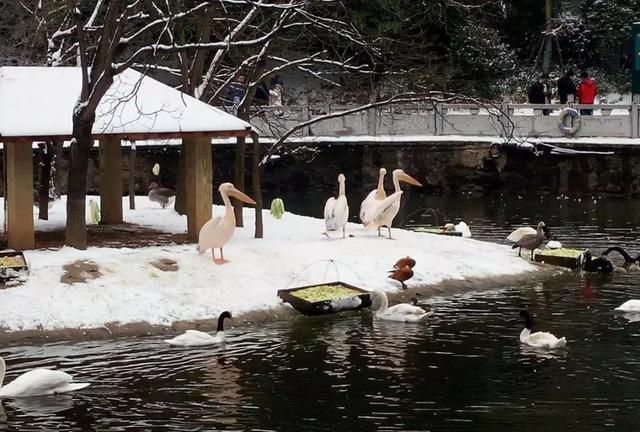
{"x": 586, "y": 92}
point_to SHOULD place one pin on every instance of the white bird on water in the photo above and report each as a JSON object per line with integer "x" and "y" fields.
{"x": 38, "y": 382}
{"x": 336, "y": 211}
{"x": 539, "y": 339}
{"x": 401, "y": 312}
{"x": 198, "y": 338}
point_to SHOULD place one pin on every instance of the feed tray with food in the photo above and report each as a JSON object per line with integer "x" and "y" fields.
{"x": 326, "y": 298}
{"x": 564, "y": 257}
{"x": 435, "y": 230}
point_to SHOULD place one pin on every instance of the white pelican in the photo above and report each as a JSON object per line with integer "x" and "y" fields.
{"x": 368, "y": 206}
{"x": 38, "y": 382}
{"x": 539, "y": 339}
{"x": 336, "y": 211}
{"x": 218, "y": 231}
{"x": 401, "y": 312}
{"x": 387, "y": 209}
{"x": 198, "y": 338}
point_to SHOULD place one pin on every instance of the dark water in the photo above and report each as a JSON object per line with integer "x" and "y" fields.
{"x": 463, "y": 371}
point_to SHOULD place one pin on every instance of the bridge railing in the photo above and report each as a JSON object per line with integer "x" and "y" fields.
{"x": 522, "y": 120}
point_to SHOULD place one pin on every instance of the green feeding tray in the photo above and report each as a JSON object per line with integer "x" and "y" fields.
{"x": 326, "y": 298}
{"x": 434, "y": 230}
{"x": 564, "y": 257}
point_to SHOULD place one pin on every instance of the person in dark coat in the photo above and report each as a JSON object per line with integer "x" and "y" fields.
{"x": 539, "y": 92}
{"x": 566, "y": 87}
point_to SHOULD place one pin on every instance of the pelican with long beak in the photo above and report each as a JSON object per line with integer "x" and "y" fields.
{"x": 368, "y": 206}
{"x": 336, "y": 211}
{"x": 218, "y": 231}
{"x": 387, "y": 209}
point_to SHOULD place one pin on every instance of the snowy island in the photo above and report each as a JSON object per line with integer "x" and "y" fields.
{"x": 128, "y": 286}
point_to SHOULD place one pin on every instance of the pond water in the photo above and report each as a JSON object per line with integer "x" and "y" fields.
{"x": 464, "y": 370}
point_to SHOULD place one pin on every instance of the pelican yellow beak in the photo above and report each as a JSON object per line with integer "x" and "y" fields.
{"x": 408, "y": 179}
{"x": 241, "y": 196}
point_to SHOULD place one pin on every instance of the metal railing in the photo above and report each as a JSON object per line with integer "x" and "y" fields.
{"x": 521, "y": 120}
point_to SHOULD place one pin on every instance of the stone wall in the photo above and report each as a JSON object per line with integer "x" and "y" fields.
{"x": 442, "y": 168}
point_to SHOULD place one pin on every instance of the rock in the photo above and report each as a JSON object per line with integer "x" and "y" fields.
{"x": 165, "y": 264}
{"x": 80, "y": 272}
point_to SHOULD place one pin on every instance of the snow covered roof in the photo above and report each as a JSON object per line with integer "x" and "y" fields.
{"x": 37, "y": 102}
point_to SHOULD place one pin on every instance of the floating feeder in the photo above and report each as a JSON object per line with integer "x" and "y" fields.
{"x": 13, "y": 265}
{"x": 326, "y": 298}
{"x": 563, "y": 257}
{"x": 434, "y": 230}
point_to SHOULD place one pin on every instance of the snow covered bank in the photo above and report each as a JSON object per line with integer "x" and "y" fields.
{"x": 293, "y": 252}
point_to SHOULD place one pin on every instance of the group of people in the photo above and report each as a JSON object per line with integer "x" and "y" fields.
{"x": 264, "y": 95}
{"x": 584, "y": 93}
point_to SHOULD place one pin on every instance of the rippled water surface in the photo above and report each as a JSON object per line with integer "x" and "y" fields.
{"x": 462, "y": 371}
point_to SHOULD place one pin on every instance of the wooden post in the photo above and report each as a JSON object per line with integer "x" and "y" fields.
{"x": 257, "y": 186}
{"x": 132, "y": 176}
{"x": 19, "y": 195}
{"x": 198, "y": 184}
{"x": 238, "y": 178}
{"x": 110, "y": 181}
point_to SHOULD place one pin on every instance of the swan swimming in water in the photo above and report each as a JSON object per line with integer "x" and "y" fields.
{"x": 38, "y": 382}
{"x": 198, "y": 338}
{"x": 401, "y": 312}
{"x": 539, "y": 339}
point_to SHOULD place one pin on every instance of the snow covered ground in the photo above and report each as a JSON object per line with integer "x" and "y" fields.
{"x": 294, "y": 252}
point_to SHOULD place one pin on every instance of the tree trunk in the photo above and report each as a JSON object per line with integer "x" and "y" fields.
{"x": 46, "y": 158}
{"x": 238, "y": 179}
{"x": 77, "y": 183}
{"x": 181, "y": 202}
{"x": 256, "y": 185}
{"x": 132, "y": 177}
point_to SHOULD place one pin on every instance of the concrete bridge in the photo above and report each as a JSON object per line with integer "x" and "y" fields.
{"x": 465, "y": 120}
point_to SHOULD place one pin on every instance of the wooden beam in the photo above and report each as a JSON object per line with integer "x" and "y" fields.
{"x": 19, "y": 195}
{"x": 198, "y": 184}
{"x": 110, "y": 181}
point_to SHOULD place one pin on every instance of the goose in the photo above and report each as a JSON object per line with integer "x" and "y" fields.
{"x": 368, "y": 206}
{"x": 539, "y": 339}
{"x": 401, "y": 312}
{"x": 160, "y": 195}
{"x": 38, "y": 382}
{"x": 336, "y": 211}
{"x": 460, "y": 227}
{"x": 387, "y": 209}
{"x": 406, "y": 261}
{"x": 530, "y": 241}
{"x": 219, "y": 229}
{"x": 517, "y": 234}
{"x": 401, "y": 274}
{"x": 198, "y": 338}
{"x": 599, "y": 265}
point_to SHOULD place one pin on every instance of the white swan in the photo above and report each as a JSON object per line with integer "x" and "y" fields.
{"x": 336, "y": 211}
{"x": 460, "y": 227}
{"x": 401, "y": 312}
{"x": 38, "y": 382}
{"x": 629, "y": 306}
{"x": 198, "y": 338}
{"x": 539, "y": 339}
{"x": 387, "y": 209}
{"x": 368, "y": 206}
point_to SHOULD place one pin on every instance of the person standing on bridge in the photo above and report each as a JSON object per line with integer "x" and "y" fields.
{"x": 587, "y": 91}
{"x": 567, "y": 88}
{"x": 539, "y": 92}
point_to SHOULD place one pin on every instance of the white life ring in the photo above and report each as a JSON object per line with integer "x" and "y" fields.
{"x": 575, "y": 117}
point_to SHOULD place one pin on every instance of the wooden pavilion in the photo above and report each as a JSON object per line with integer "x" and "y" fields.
{"x": 36, "y": 104}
